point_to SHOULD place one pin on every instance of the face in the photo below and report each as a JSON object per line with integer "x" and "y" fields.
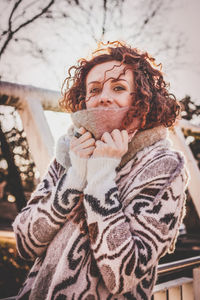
{"x": 105, "y": 89}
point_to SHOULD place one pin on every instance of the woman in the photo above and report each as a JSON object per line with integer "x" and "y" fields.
{"x": 113, "y": 198}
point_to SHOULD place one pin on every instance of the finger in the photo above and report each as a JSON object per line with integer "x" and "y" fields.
{"x": 86, "y": 136}
{"x": 99, "y": 143}
{"x": 77, "y": 134}
{"x": 73, "y": 142}
{"x": 107, "y": 138}
{"x": 81, "y": 130}
{"x": 131, "y": 135}
{"x": 86, "y": 152}
{"x": 125, "y": 136}
{"x": 77, "y": 141}
{"x": 86, "y": 144}
{"x": 117, "y": 137}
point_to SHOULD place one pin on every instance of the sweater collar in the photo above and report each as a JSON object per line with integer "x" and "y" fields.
{"x": 98, "y": 120}
{"x": 142, "y": 139}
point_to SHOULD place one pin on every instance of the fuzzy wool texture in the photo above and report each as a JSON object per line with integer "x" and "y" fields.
{"x": 98, "y": 120}
{"x": 133, "y": 211}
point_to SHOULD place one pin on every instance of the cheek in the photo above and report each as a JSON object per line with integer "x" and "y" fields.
{"x": 90, "y": 103}
{"x": 125, "y": 100}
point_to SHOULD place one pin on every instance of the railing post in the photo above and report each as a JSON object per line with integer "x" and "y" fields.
{"x": 174, "y": 293}
{"x": 196, "y": 283}
{"x": 187, "y": 291}
{"x": 160, "y": 295}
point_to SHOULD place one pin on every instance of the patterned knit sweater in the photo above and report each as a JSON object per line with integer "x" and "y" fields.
{"x": 133, "y": 212}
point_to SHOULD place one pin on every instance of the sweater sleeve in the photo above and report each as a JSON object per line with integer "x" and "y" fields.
{"x": 128, "y": 242}
{"x": 54, "y": 198}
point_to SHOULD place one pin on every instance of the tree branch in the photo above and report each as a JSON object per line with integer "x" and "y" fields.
{"x": 44, "y": 10}
{"x": 104, "y": 18}
{"x": 12, "y": 12}
{"x": 148, "y": 19}
{"x": 10, "y": 17}
{"x": 25, "y": 9}
{"x": 12, "y": 32}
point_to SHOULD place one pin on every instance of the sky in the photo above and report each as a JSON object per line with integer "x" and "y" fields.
{"x": 66, "y": 40}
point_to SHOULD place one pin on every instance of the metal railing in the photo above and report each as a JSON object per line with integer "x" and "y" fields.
{"x": 179, "y": 265}
{"x": 180, "y": 288}
{"x": 180, "y": 280}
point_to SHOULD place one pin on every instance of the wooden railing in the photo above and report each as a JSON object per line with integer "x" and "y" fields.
{"x": 185, "y": 285}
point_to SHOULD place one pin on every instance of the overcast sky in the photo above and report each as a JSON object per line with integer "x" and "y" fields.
{"x": 65, "y": 41}
{"x": 182, "y": 70}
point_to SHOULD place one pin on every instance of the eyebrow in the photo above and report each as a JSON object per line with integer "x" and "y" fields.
{"x": 113, "y": 80}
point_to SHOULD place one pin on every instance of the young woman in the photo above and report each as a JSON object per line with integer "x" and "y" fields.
{"x": 113, "y": 198}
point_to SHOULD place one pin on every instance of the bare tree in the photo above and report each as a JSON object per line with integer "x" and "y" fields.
{"x": 72, "y": 25}
{"x": 9, "y": 34}
{"x": 22, "y": 27}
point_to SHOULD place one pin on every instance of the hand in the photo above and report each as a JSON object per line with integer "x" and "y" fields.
{"x": 84, "y": 145}
{"x": 112, "y": 145}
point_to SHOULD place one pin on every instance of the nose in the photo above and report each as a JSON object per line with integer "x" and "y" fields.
{"x": 105, "y": 99}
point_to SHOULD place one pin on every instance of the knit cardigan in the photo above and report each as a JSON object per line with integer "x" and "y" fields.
{"x": 133, "y": 209}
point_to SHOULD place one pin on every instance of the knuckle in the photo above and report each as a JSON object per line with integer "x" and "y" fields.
{"x": 105, "y": 134}
{"x": 92, "y": 140}
{"x": 88, "y": 134}
{"x": 81, "y": 130}
{"x": 115, "y": 132}
{"x": 124, "y": 132}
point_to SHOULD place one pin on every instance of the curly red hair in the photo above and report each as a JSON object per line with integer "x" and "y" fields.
{"x": 153, "y": 104}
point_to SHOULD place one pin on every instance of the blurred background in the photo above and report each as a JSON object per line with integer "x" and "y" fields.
{"x": 40, "y": 40}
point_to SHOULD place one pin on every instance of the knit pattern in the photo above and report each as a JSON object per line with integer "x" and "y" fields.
{"x": 133, "y": 213}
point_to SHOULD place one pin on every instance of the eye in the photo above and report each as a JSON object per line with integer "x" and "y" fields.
{"x": 119, "y": 88}
{"x": 94, "y": 90}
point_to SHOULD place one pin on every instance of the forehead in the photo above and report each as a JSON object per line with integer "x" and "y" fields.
{"x": 109, "y": 69}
